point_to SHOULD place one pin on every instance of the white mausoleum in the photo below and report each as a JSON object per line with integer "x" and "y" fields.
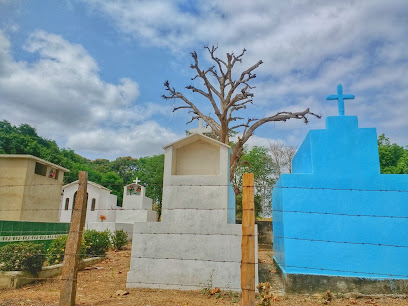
{"x": 197, "y": 241}
{"x": 136, "y": 206}
{"x": 100, "y": 202}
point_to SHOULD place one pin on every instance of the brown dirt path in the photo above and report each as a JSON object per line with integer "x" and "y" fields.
{"x": 99, "y": 286}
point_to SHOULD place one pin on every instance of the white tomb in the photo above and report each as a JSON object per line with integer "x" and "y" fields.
{"x": 100, "y": 202}
{"x": 197, "y": 244}
{"x": 102, "y": 211}
{"x": 136, "y": 206}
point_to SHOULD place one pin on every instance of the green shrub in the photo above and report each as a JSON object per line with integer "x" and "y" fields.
{"x": 97, "y": 243}
{"x": 56, "y": 250}
{"x": 119, "y": 239}
{"x": 23, "y": 256}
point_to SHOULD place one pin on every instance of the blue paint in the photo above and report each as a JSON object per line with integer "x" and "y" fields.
{"x": 231, "y": 205}
{"x": 336, "y": 173}
{"x": 231, "y": 218}
{"x": 340, "y": 99}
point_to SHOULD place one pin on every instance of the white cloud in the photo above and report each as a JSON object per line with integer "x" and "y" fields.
{"x": 308, "y": 47}
{"x": 144, "y": 139}
{"x": 63, "y": 96}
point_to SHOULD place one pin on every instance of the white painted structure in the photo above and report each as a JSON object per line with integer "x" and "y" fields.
{"x": 136, "y": 206}
{"x": 201, "y": 129}
{"x": 197, "y": 244}
{"x": 100, "y": 202}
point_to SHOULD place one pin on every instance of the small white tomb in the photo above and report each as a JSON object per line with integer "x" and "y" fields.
{"x": 197, "y": 244}
{"x": 100, "y": 202}
{"x": 136, "y": 206}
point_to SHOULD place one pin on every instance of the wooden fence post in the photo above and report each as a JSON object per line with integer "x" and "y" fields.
{"x": 73, "y": 246}
{"x": 248, "y": 241}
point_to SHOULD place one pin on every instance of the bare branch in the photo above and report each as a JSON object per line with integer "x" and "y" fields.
{"x": 193, "y": 118}
{"x": 238, "y": 58}
{"x": 216, "y": 59}
{"x": 207, "y": 83}
{"x": 226, "y": 98}
{"x": 194, "y": 89}
{"x": 180, "y": 107}
{"x": 242, "y": 80}
{"x": 280, "y": 116}
{"x": 237, "y": 126}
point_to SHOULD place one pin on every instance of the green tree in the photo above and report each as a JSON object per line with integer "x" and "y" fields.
{"x": 150, "y": 171}
{"x": 125, "y": 167}
{"x": 393, "y": 158}
{"x": 113, "y": 181}
{"x": 259, "y": 162}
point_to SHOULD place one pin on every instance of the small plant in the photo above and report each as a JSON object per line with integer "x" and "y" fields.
{"x": 97, "y": 243}
{"x": 119, "y": 239}
{"x": 56, "y": 250}
{"x": 102, "y": 217}
{"x": 23, "y": 256}
{"x": 207, "y": 288}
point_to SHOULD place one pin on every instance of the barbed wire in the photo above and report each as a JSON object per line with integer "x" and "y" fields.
{"x": 343, "y": 242}
{"x": 360, "y": 273}
{"x": 119, "y": 208}
{"x": 378, "y": 244}
{"x": 338, "y": 214}
{"x": 228, "y": 185}
{"x": 345, "y": 271}
{"x": 150, "y": 233}
{"x": 56, "y": 278}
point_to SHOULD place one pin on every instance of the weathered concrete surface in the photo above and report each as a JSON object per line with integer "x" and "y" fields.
{"x": 16, "y": 279}
{"x": 196, "y": 244}
{"x": 309, "y": 283}
{"x": 265, "y": 235}
{"x": 187, "y": 256}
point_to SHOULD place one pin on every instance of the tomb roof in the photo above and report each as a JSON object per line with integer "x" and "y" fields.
{"x": 28, "y": 156}
{"x": 191, "y": 138}
{"x": 89, "y": 182}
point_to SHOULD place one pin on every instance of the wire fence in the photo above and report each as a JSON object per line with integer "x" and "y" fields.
{"x": 313, "y": 269}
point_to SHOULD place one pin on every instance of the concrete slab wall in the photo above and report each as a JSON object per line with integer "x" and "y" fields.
{"x": 336, "y": 215}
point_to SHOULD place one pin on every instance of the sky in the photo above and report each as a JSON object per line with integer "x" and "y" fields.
{"x": 89, "y": 74}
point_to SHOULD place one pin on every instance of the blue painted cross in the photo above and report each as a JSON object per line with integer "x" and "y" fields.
{"x": 340, "y": 97}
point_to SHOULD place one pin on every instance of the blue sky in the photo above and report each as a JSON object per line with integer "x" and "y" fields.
{"x": 89, "y": 73}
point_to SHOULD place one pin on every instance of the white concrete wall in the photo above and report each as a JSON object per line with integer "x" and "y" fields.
{"x": 105, "y": 204}
{"x": 185, "y": 159}
{"x": 187, "y": 257}
{"x": 136, "y": 208}
{"x": 193, "y": 246}
{"x": 136, "y": 201}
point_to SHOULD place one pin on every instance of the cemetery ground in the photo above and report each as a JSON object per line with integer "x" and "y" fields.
{"x": 105, "y": 284}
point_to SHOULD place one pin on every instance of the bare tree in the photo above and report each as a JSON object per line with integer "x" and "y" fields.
{"x": 227, "y": 96}
{"x": 282, "y": 156}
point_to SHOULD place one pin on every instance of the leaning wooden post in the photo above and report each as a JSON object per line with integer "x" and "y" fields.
{"x": 73, "y": 246}
{"x": 248, "y": 241}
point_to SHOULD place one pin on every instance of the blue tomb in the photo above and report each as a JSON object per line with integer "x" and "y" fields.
{"x": 336, "y": 215}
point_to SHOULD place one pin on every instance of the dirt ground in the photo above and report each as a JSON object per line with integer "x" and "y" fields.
{"x": 105, "y": 284}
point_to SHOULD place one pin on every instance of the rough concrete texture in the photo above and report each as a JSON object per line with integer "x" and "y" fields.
{"x": 310, "y": 283}
{"x": 141, "y": 215}
{"x": 265, "y": 235}
{"x": 193, "y": 247}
